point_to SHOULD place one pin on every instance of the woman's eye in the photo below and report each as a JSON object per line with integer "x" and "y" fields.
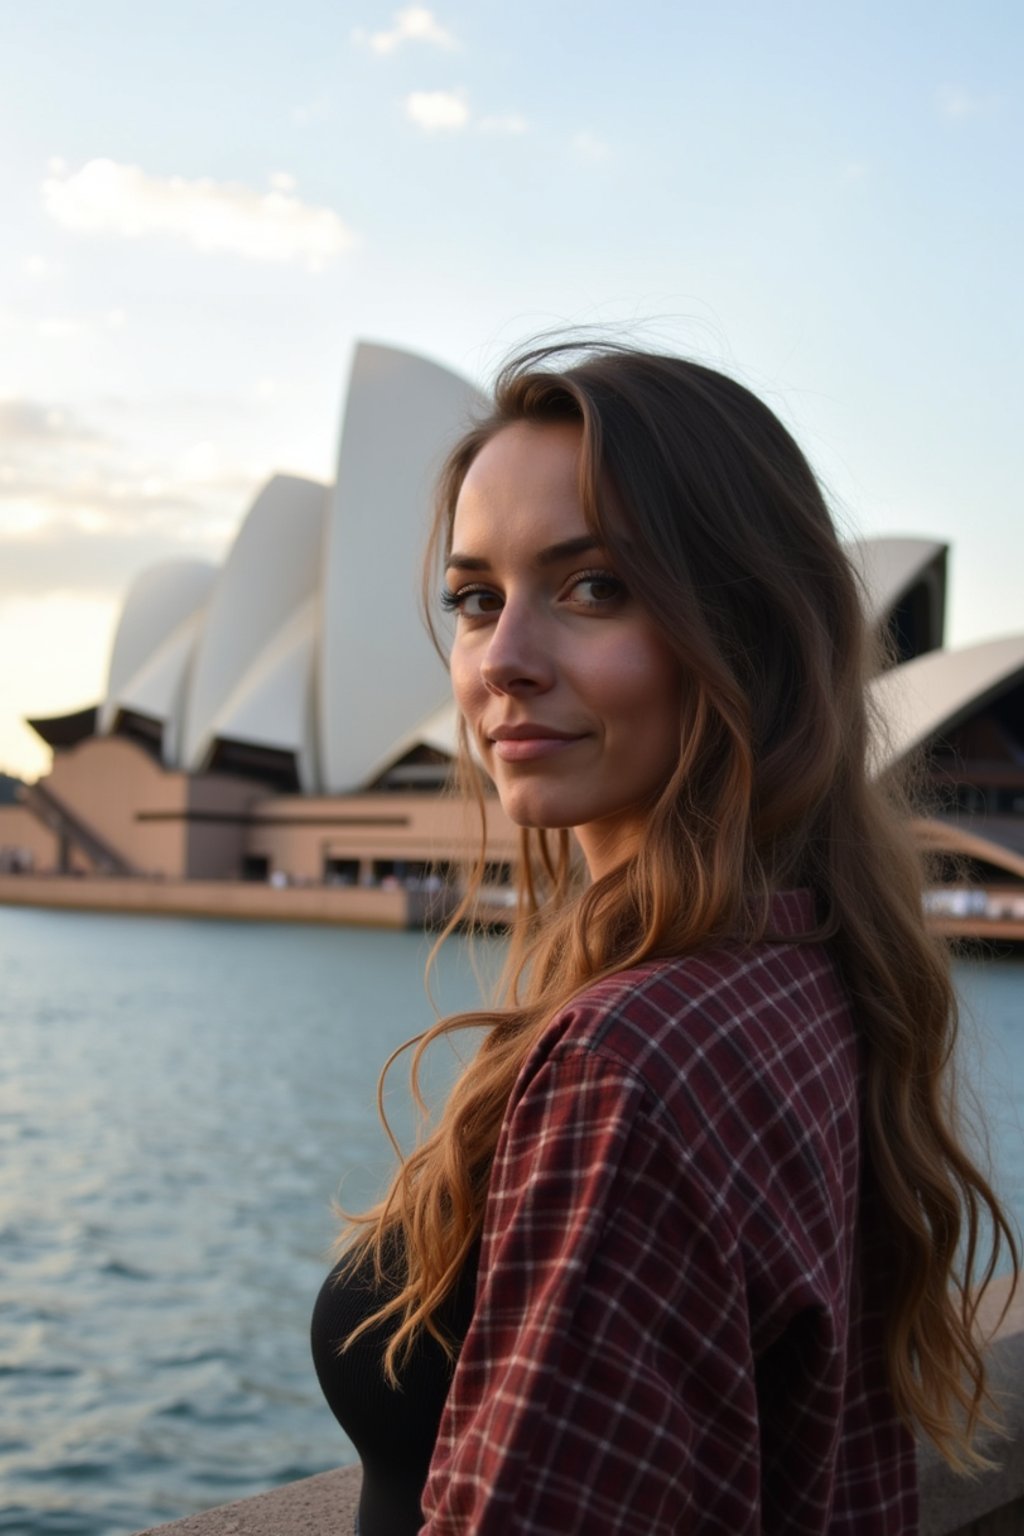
{"x": 598, "y": 589}
{"x": 471, "y": 602}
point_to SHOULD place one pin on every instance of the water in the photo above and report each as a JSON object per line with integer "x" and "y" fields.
{"x": 178, "y": 1103}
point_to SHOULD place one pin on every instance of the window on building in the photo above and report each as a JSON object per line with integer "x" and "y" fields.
{"x": 341, "y": 871}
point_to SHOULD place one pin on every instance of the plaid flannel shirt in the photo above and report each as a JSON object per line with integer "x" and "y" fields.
{"x": 678, "y": 1322}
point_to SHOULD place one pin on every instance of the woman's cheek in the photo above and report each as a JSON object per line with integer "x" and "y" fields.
{"x": 467, "y": 685}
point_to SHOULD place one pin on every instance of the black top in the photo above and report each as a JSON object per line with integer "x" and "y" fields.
{"x": 393, "y": 1431}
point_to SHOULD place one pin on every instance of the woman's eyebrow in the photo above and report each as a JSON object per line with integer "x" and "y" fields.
{"x": 550, "y": 556}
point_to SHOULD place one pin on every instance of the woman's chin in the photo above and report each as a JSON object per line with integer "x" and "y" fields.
{"x": 525, "y": 811}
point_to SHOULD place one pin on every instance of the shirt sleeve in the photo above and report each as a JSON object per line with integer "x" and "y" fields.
{"x": 606, "y": 1383}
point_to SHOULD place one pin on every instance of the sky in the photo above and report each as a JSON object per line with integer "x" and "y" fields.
{"x": 205, "y": 205}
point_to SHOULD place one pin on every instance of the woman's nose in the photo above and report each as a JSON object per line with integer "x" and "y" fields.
{"x": 516, "y": 659}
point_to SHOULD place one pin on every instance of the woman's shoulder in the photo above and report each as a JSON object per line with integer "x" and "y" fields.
{"x": 718, "y": 1011}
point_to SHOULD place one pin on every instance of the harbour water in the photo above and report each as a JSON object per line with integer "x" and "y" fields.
{"x": 180, "y": 1103}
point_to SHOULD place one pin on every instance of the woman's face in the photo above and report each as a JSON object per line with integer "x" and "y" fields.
{"x": 568, "y": 687}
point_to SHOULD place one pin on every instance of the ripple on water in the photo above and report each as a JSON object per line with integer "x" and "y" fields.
{"x": 26, "y": 1520}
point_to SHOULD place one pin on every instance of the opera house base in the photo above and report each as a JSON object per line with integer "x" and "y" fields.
{"x": 379, "y": 906}
{"x": 112, "y": 829}
{"x": 991, "y": 1504}
{"x": 988, "y": 933}
{"x": 238, "y": 899}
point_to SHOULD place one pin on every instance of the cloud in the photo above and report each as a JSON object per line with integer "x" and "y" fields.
{"x": 414, "y": 24}
{"x": 91, "y": 515}
{"x": 62, "y": 328}
{"x": 88, "y": 558}
{"x": 587, "y": 146}
{"x": 510, "y": 123}
{"x": 110, "y": 489}
{"x": 79, "y": 506}
{"x": 106, "y": 197}
{"x": 30, "y": 500}
{"x": 955, "y": 101}
{"x": 40, "y": 268}
{"x": 96, "y": 536}
{"x": 33, "y": 422}
{"x": 437, "y": 111}
{"x": 448, "y": 112}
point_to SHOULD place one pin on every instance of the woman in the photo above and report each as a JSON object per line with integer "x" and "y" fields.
{"x": 706, "y": 1157}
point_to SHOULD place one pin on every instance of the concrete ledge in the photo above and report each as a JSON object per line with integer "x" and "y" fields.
{"x": 991, "y": 1504}
{"x": 314, "y": 1506}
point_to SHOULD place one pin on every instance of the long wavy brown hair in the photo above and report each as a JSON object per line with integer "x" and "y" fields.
{"x": 713, "y": 518}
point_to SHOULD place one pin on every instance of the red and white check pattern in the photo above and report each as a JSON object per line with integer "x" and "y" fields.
{"x": 678, "y": 1318}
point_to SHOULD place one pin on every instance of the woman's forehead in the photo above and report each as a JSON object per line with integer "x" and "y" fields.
{"x": 526, "y": 479}
{"x": 527, "y": 451}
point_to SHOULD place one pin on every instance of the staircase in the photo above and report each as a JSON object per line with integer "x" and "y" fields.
{"x": 54, "y": 814}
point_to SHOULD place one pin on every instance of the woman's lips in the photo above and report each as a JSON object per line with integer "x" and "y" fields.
{"x": 521, "y": 749}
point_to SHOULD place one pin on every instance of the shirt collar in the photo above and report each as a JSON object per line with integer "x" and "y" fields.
{"x": 792, "y": 914}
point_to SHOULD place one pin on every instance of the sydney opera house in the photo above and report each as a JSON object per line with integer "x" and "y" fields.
{"x": 282, "y": 721}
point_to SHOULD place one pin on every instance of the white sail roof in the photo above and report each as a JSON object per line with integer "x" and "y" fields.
{"x": 377, "y": 668}
{"x": 935, "y": 692}
{"x": 272, "y": 571}
{"x": 271, "y": 705}
{"x": 890, "y": 567}
{"x": 158, "y": 688}
{"x": 162, "y": 608}
{"x": 439, "y": 731}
